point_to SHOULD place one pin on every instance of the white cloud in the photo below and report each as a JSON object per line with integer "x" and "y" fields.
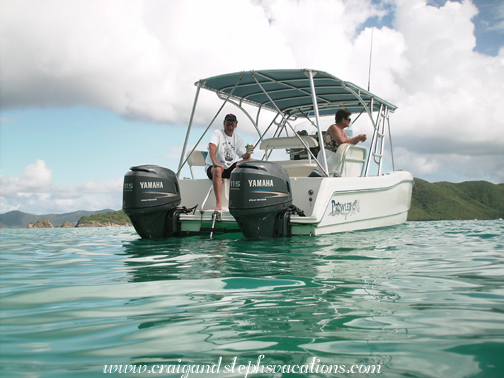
{"x": 453, "y": 93}
{"x": 454, "y": 166}
{"x": 36, "y": 177}
{"x": 418, "y": 163}
{"x": 141, "y": 58}
{"x": 34, "y": 192}
{"x": 136, "y": 58}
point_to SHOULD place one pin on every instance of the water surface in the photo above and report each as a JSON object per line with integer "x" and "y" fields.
{"x": 425, "y": 299}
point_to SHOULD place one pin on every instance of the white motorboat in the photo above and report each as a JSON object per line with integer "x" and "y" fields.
{"x": 271, "y": 197}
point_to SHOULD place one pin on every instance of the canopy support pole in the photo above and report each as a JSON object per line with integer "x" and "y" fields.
{"x": 189, "y": 129}
{"x": 390, "y": 139}
{"x": 285, "y": 119}
{"x": 182, "y": 160}
{"x": 315, "y": 108}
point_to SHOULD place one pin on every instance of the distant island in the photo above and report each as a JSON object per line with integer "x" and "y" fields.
{"x": 102, "y": 218}
{"x": 41, "y": 223}
{"x": 430, "y": 202}
{"x": 110, "y": 219}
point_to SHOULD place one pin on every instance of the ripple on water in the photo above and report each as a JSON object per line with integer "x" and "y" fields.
{"x": 423, "y": 299}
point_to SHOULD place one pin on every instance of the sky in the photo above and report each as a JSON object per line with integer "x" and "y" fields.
{"x": 90, "y": 88}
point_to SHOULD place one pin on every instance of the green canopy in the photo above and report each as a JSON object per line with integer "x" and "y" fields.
{"x": 290, "y": 91}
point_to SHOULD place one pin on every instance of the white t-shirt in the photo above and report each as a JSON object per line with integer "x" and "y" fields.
{"x": 227, "y": 148}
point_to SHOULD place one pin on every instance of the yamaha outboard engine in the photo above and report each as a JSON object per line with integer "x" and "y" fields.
{"x": 150, "y": 199}
{"x": 260, "y": 198}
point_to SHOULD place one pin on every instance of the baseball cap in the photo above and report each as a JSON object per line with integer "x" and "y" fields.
{"x": 230, "y": 117}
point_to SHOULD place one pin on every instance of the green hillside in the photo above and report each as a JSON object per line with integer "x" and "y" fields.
{"x": 449, "y": 201}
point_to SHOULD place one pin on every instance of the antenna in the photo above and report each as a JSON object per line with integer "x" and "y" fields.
{"x": 370, "y": 56}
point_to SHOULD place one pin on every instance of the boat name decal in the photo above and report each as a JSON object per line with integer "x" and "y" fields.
{"x": 151, "y": 185}
{"x": 253, "y": 183}
{"x": 346, "y": 209}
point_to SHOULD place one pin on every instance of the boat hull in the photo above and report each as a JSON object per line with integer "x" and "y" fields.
{"x": 357, "y": 203}
{"x": 331, "y": 204}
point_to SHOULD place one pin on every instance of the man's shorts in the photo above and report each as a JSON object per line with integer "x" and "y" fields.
{"x": 225, "y": 175}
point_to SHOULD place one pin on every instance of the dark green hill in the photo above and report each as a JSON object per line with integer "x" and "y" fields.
{"x": 449, "y": 201}
{"x": 18, "y": 219}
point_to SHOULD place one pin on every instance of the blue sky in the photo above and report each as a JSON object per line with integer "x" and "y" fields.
{"x": 85, "y": 142}
{"x": 92, "y": 88}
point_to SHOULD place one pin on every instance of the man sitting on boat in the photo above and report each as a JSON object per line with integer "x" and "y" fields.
{"x": 336, "y": 136}
{"x": 223, "y": 148}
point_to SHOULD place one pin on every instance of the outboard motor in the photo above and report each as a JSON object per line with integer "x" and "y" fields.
{"x": 260, "y": 198}
{"x": 150, "y": 198}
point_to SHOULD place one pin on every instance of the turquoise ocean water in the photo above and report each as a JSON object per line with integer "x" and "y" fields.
{"x": 422, "y": 299}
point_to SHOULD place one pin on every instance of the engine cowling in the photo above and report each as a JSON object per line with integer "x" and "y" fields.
{"x": 150, "y": 198}
{"x": 259, "y": 199}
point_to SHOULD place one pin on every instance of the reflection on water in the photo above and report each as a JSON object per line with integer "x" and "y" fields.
{"x": 422, "y": 300}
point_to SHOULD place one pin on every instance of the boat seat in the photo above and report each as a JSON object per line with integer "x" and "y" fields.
{"x": 348, "y": 161}
{"x": 353, "y": 160}
{"x": 196, "y": 158}
{"x": 297, "y": 168}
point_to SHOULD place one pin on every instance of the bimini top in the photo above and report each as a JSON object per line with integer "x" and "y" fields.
{"x": 290, "y": 92}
